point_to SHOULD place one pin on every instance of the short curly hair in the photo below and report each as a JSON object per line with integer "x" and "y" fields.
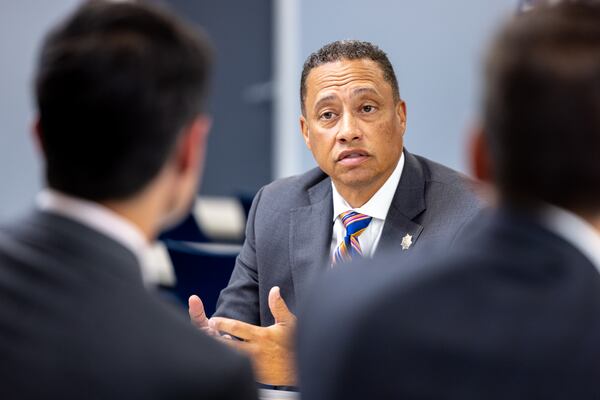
{"x": 348, "y": 50}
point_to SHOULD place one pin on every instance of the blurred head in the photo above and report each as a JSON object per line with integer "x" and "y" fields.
{"x": 528, "y": 5}
{"x": 542, "y": 109}
{"x": 353, "y": 119}
{"x": 120, "y": 93}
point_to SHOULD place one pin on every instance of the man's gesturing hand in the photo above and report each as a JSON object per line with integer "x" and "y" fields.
{"x": 270, "y": 348}
{"x": 198, "y": 316}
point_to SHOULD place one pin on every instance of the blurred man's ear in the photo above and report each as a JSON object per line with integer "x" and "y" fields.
{"x": 192, "y": 146}
{"x": 185, "y": 167}
{"x": 37, "y": 135}
{"x": 482, "y": 168}
{"x": 481, "y": 165}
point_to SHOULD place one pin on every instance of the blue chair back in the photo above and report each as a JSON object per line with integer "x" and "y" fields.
{"x": 246, "y": 199}
{"x": 200, "y": 270}
{"x": 187, "y": 230}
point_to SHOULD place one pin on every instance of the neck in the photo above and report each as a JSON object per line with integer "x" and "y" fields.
{"x": 139, "y": 214}
{"x": 144, "y": 209}
{"x": 592, "y": 219}
{"x": 359, "y": 194}
{"x": 596, "y": 224}
{"x": 356, "y": 196}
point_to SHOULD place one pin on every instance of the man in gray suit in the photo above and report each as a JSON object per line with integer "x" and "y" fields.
{"x": 120, "y": 89}
{"x": 368, "y": 193}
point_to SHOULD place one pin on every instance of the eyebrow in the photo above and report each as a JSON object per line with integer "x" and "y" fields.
{"x": 363, "y": 90}
{"x": 324, "y": 100}
{"x": 355, "y": 93}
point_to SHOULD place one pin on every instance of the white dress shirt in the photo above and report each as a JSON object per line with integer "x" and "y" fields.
{"x": 102, "y": 220}
{"x": 377, "y": 207}
{"x": 575, "y": 230}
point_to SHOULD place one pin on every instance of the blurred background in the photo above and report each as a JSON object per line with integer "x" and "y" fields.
{"x": 435, "y": 47}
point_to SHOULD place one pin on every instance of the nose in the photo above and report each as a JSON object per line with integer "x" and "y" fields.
{"x": 349, "y": 130}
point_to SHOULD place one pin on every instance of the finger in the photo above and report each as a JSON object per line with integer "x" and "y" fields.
{"x": 233, "y": 327}
{"x": 196, "y": 311}
{"x": 279, "y": 309}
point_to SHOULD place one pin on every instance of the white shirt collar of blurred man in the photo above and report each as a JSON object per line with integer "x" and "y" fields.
{"x": 104, "y": 221}
{"x": 575, "y": 230}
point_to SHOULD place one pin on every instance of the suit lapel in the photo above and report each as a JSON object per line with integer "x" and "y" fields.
{"x": 310, "y": 236}
{"x": 311, "y": 226}
{"x": 408, "y": 203}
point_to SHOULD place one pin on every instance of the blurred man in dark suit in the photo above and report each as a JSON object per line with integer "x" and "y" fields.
{"x": 514, "y": 311}
{"x": 120, "y": 90}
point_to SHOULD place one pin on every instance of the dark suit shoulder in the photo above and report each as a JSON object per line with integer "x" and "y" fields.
{"x": 452, "y": 181}
{"x": 294, "y": 191}
{"x": 188, "y": 362}
{"x": 449, "y": 198}
{"x": 436, "y": 172}
{"x": 83, "y": 323}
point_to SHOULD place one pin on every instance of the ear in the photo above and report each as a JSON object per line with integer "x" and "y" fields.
{"x": 37, "y": 135}
{"x": 304, "y": 129}
{"x": 401, "y": 112}
{"x": 192, "y": 144}
{"x": 481, "y": 165}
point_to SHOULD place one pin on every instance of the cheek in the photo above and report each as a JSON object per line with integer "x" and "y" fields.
{"x": 385, "y": 134}
{"x": 322, "y": 142}
{"x": 387, "y": 140}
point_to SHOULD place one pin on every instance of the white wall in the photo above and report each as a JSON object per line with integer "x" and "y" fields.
{"x": 22, "y": 25}
{"x": 435, "y": 47}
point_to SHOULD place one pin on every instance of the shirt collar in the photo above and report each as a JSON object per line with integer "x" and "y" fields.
{"x": 100, "y": 219}
{"x": 574, "y": 230}
{"x": 379, "y": 204}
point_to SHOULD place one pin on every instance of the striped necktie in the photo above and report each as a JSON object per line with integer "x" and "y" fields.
{"x": 355, "y": 224}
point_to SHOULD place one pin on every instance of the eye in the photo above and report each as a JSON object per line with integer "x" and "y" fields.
{"x": 367, "y": 108}
{"x": 327, "y": 115}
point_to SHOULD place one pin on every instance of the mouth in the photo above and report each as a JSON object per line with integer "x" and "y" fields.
{"x": 353, "y": 157}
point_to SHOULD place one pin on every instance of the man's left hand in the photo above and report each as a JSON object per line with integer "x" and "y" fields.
{"x": 270, "y": 348}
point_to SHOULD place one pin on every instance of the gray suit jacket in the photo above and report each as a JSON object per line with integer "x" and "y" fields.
{"x": 76, "y": 322}
{"x": 288, "y": 233}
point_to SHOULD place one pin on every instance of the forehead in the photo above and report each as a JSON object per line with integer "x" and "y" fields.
{"x": 343, "y": 74}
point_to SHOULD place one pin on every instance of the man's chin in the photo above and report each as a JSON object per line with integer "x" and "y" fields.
{"x": 357, "y": 178}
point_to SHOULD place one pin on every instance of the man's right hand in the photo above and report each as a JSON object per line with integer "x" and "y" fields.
{"x": 198, "y": 316}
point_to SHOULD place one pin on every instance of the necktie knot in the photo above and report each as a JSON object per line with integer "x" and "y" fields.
{"x": 355, "y": 224}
